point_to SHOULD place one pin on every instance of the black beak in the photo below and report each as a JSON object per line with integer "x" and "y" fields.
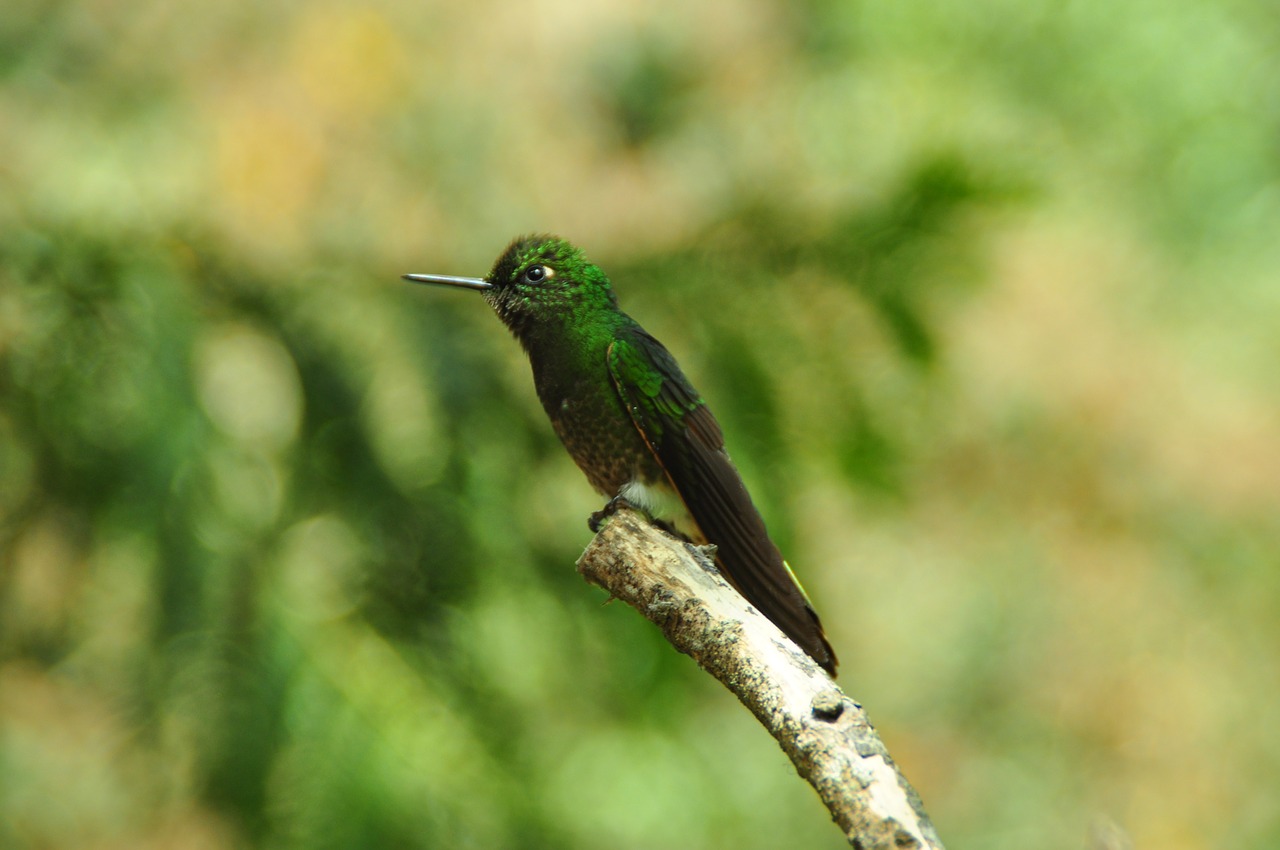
{"x": 476, "y": 283}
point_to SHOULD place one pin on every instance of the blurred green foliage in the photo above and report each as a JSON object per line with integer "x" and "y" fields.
{"x": 984, "y": 296}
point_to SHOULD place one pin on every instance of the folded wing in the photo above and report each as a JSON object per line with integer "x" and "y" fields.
{"x": 681, "y": 432}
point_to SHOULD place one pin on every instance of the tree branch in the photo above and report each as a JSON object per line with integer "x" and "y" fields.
{"x": 825, "y": 733}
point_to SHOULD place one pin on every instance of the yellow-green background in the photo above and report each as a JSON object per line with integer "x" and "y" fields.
{"x": 984, "y": 294}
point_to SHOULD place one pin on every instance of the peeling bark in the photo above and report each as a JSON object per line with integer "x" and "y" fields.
{"x": 825, "y": 733}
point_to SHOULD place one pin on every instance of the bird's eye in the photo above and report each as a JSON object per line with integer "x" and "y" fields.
{"x": 536, "y": 274}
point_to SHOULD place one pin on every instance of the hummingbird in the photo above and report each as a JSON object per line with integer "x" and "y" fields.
{"x": 633, "y": 422}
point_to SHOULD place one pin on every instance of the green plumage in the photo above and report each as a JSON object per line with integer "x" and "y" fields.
{"x": 628, "y": 415}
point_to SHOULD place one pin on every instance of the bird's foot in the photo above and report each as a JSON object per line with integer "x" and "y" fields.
{"x": 610, "y": 508}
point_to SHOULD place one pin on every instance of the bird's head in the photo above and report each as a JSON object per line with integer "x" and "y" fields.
{"x": 538, "y": 281}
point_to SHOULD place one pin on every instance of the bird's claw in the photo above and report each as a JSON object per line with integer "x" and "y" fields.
{"x": 610, "y": 508}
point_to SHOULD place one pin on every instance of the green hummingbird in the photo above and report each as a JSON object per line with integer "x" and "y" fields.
{"x": 632, "y": 421}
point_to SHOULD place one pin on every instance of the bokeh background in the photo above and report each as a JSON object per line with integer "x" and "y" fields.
{"x": 985, "y": 295}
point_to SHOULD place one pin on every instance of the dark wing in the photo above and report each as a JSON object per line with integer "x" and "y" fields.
{"x": 681, "y": 432}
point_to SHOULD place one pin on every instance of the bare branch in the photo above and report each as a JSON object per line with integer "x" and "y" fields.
{"x": 824, "y": 732}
